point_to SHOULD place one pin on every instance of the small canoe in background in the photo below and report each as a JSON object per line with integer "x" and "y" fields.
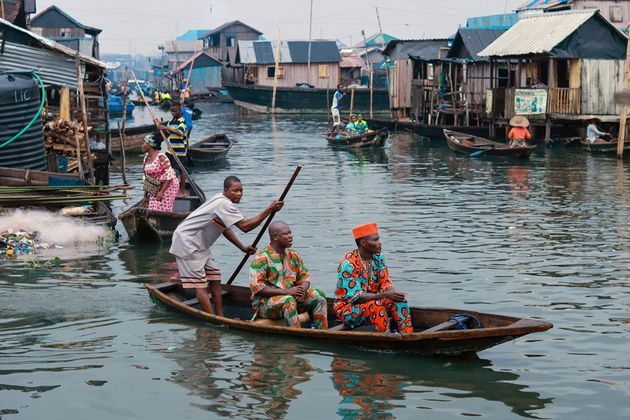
{"x": 134, "y": 136}
{"x": 211, "y": 149}
{"x": 433, "y": 327}
{"x": 373, "y": 138}
{"x": 606, "y": 148}
{"x": 152, "y": 226}
{"x": 467, "y": 143}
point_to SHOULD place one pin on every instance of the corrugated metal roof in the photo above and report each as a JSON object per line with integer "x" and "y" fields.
{"x": 263, "y": 52}
{"x": 419, "y": 49}
{"x": 537, "y": 34}
{"x": 542, "y": 4}
{"x": 321, "y": 52}
{"x": 227, "y": 25}
{"x": 351, "y": 61}
{"x": 192, "y": 35}
{"x": 52, "y": 45}
{"x": 206, "y": 61}
{"x": 503, "y": 21}
{"x": 474, "y": 40}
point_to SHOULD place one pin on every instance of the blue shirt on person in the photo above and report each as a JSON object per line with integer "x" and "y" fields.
{"x": 187, "y": 113}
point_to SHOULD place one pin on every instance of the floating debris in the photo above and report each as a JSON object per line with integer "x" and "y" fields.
{"x": 21, "y": 243}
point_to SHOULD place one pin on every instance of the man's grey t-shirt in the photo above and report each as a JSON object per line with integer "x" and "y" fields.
{"x": 198, "y": 231}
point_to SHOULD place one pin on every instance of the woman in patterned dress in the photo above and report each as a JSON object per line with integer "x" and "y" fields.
{"x": 158, "y": 168}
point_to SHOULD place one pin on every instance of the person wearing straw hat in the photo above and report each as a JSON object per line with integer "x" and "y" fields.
{"x": 365, "y": 294}
{"x": 594, "y": 134}
{"x": 519, "y": 134}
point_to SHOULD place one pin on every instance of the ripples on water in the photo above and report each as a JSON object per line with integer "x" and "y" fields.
{"x": 546, "y": 239}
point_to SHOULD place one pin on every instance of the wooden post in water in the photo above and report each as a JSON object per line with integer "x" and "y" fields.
{"x": 351, "y": 101}
{"x": 310, "y": 33}
{"x": 367, "y": 62}
{"x": 85, "y": 119}
{"x": 624, "y": 109}
{"x": 389, "y": 86}
{"x": 275, "y": 75}
{"x": 121, "y": 128}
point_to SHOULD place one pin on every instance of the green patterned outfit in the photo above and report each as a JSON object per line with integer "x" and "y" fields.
{"x": 269, "y": 269}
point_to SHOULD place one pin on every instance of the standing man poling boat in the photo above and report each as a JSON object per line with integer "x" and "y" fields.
{"x": 364, "y": 293}
{"x": 336, "y": 107}
{"x": 199, "y": 231}
{"x": 177, "y": 133}
{"x": 280, "y": 282}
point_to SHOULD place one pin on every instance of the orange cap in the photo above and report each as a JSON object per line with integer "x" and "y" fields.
{"x": 362, "y": 231}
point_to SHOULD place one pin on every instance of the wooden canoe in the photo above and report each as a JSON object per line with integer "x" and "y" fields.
{"x": 152, "y": 226}
{"x": 209, "y": 150}
{"x": 606, "y": 148}
{"x": 100, "y": 214}
{"x": 373, "y": 138}
{"x": 432, "y": 131}
{"x": 134, "y": 137}
{"x": 467, "y": 143}
{"x": 495, "y": 329}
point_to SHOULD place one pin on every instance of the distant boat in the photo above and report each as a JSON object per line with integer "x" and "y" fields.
{"x": 210, "y": 150}
{"x": 467, "y": 143}
{"x": 370, "y": 139}
{"x": 297, "y": 100}
{"x": 115, "y": 106}
{"x": 606, "y": 148}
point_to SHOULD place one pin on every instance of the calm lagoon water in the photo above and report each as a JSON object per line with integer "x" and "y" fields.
{"x": 547, "y": 239}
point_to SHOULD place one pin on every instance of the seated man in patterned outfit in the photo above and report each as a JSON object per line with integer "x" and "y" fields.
{"x": 365, "y": 294}
{"x": 280, "y": 282}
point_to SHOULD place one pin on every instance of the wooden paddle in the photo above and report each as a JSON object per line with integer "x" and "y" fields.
{"x": 266, "y": 225}
{"x": 193, "y": 184}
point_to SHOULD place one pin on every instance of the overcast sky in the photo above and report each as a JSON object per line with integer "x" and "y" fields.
{"x": 139, "y": 26}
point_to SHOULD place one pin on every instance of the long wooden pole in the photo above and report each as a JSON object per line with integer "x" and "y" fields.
{"x": 193, "y": 184}
{"x": 389, "y": 86}
{"x": 80, "y": 165}
{"x": 367, "y": 61}
{"x": 190, "y": 69}
{"x": 121, "y": 128}
{"x": 266, "y": 225}
{"x": 351, "y": 101}
{"x": 275, "y": 75}
{"x": 624, "y": 108}
{"x": 85, "y": 119}
{"x": 310, "y": 33}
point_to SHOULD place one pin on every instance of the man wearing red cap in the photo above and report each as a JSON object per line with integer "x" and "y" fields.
{"x": 364, "y": 291}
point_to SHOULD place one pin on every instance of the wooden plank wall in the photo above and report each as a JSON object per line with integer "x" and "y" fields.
{"x": 297, "y": 73}
{"x": 600, "y": 80}
{"x": 401, "y": 76}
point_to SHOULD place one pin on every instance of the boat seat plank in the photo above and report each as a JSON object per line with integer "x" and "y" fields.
{"x": 302, "y": 317}
{"x": 194, "y": 301}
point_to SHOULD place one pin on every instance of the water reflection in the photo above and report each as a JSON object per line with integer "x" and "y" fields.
{"x": 372, "y": 387}
{"x": 273, "y": 377}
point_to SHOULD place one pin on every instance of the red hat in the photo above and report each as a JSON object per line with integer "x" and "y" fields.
{"x": 362, "y": 231}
